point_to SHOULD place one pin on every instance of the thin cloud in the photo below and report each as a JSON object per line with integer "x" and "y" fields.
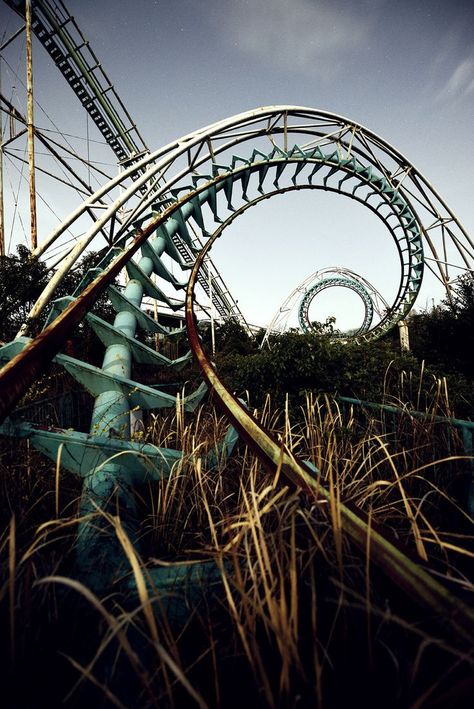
{"x": 460, "y": 83}
{"x": 311, "y": 36}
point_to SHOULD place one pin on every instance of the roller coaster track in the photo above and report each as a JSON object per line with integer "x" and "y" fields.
{"x": 204, "y": 182}
{"x": 303, "y": 295}
{"x": 62, "y": 38}
{"x": 337, "y": 282}
{"x": 58, "y": 32}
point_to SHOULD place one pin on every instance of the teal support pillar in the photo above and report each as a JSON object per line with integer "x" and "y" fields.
{"x": 98, "y": 553}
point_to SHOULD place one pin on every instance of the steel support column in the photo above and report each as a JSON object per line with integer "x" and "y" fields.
{"x": 111, "y": 418}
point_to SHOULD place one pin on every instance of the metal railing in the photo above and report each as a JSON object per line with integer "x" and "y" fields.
{"x": 463, "y": 445}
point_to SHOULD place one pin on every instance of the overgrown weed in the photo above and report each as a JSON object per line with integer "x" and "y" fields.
{"x": 300, "y": 617}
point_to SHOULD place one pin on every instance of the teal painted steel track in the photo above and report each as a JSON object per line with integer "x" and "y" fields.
{"x": 294, "y": 302}
{"x": 181, "y": 193}
{"x": 335, "y": 282}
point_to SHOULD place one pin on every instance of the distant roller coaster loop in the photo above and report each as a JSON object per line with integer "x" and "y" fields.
{"x": 280, "y": 321}
{"x": 303, "y": 311}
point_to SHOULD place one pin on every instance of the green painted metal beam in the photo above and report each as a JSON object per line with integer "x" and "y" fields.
{"x": 11, "y": 349}
{"x": 150, "y": 288}
{"x": 97, "y": 381}
{"x": 85, "y": 454}
{"x": 159, "y": 267}
{"x": 57, "y": 307}
{"x": 142, "y": 354}
{"x": 145, "y": 322}
{"x": 183, "y": 586}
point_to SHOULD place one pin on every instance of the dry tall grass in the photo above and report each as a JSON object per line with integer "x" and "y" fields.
{"x": 299, "y": 617}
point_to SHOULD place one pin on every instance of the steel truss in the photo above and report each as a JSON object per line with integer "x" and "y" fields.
{"x": 345, "y": 157}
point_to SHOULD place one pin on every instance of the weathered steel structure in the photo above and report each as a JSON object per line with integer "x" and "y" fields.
{"x": 201, "y": 181}
{"x": 58, "y": 32}
{"x": 301, "y": 298}
{"x": 173, "y": 205}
